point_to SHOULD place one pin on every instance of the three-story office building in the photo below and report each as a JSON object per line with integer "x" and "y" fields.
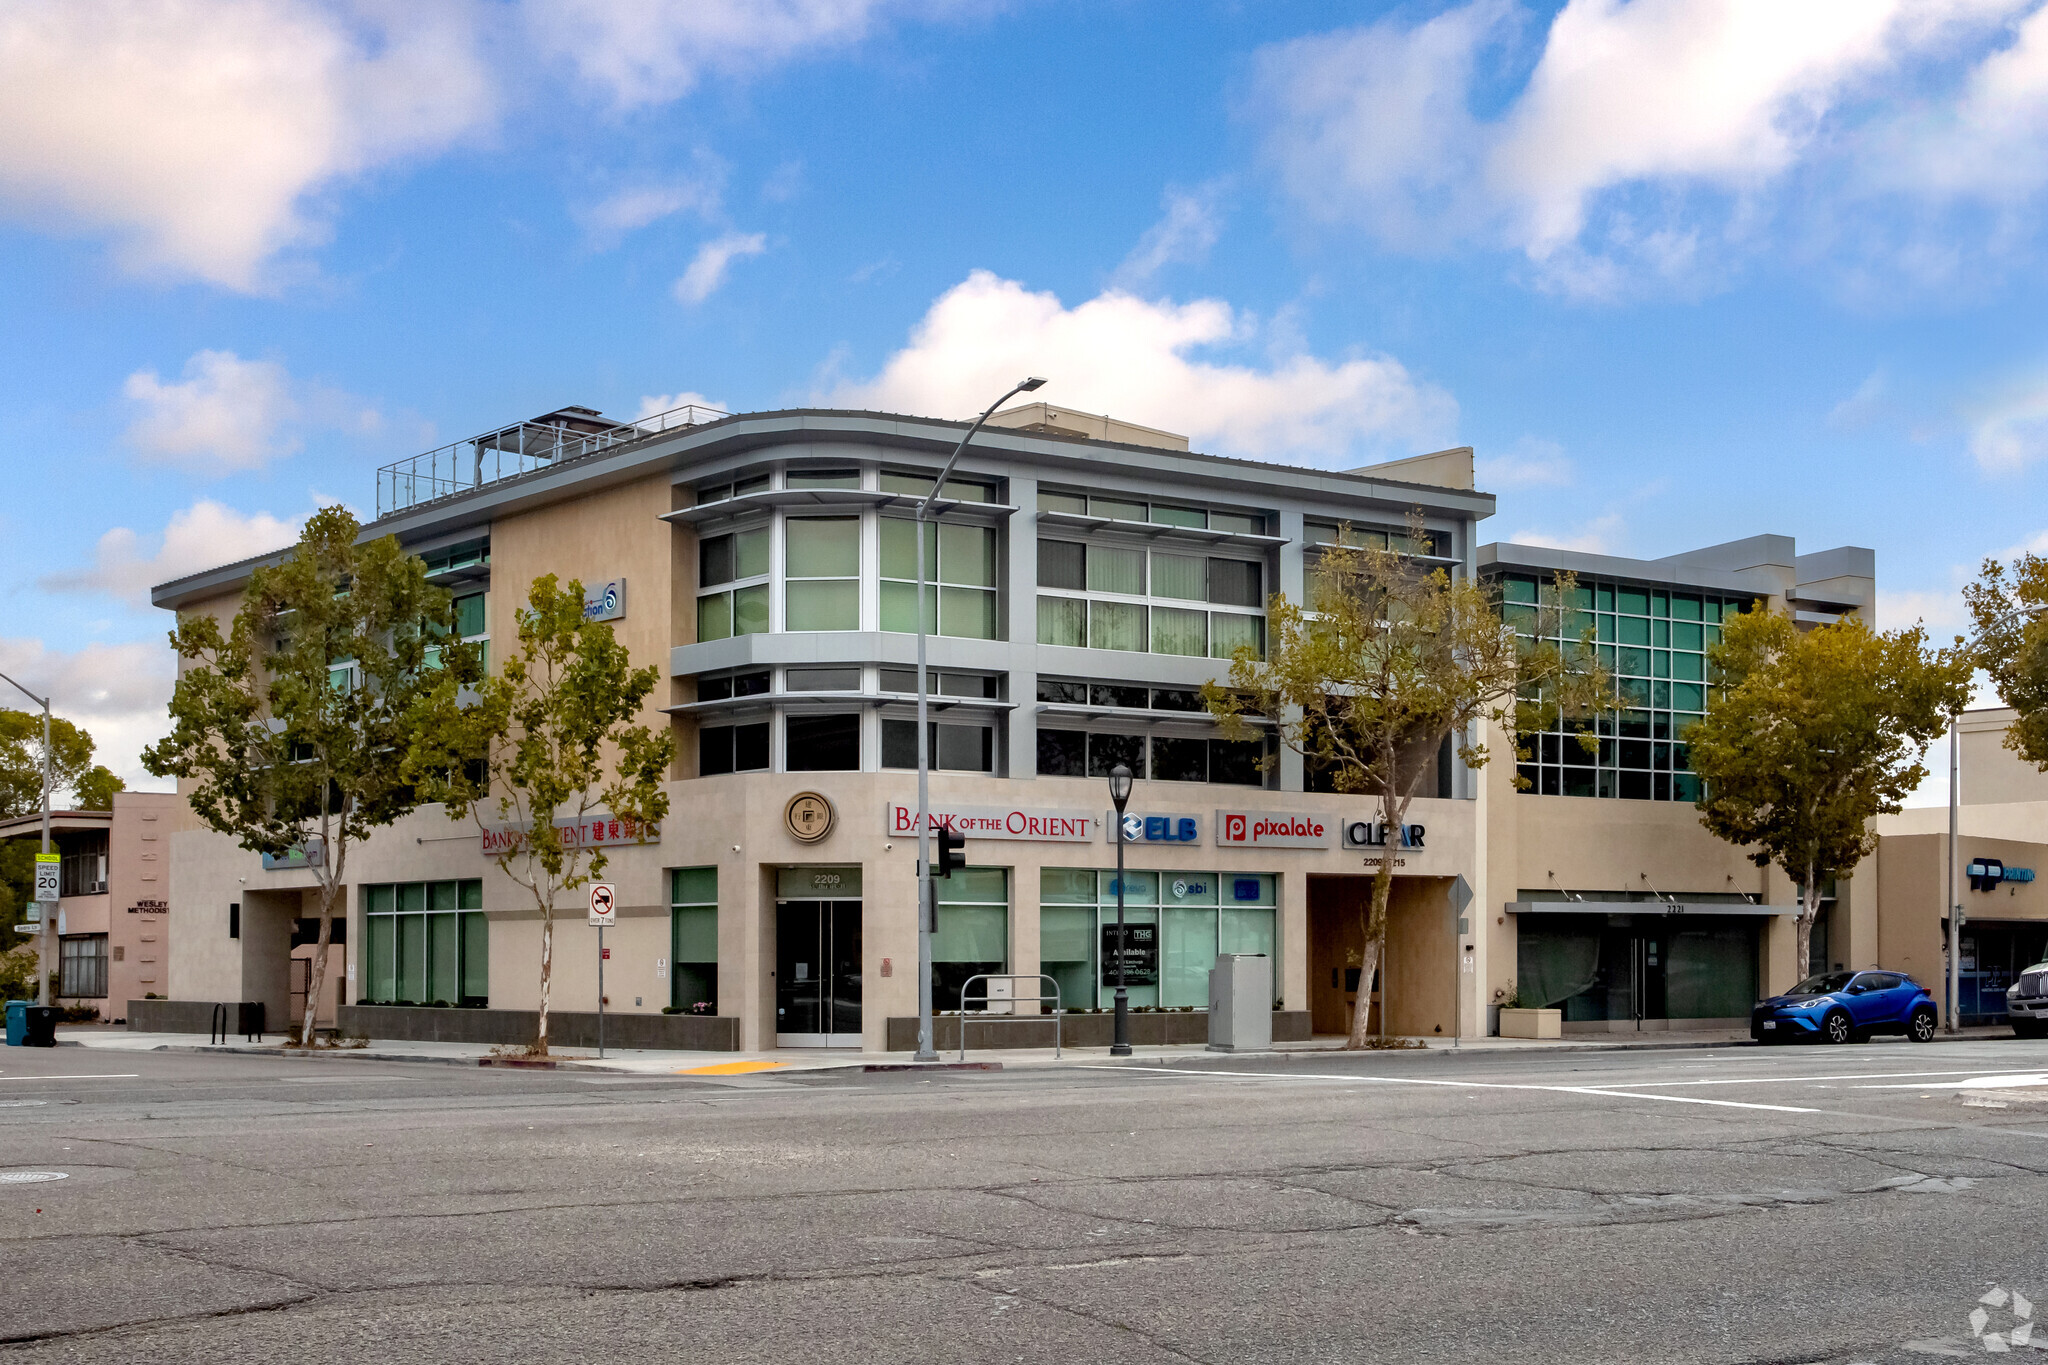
{"x": 1089, "y": 576}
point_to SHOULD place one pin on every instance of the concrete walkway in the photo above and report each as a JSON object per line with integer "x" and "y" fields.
{"x": 712, "y": 1064}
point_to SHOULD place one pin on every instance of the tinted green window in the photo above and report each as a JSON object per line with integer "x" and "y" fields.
{"x": 1182, "y": 576}
{"x": 714, "y": 616}
{"x": 824, "y": 604}
{"x": 1118, "y": 508}
{"x": 1515, "y": 588}
{"x": 1051, "y": 500}
{"x": 378, "y": 960}
{"x": 823, "y": 547}
{"x": 476, "y": 958}
{"x": 1632, "y": 630}
{"x": 1116, "y": 625}
{"x": 1116, "y": 570}
{"x": 1179, "y": 631}
{"x": 1063, "y": 621}
{"x": 1685, "y": 607}
{"x": 967, "y": 555}
{"x": 1633, "y": 600}
{"x": 1180, "y": 516}
{"x": 469, "y": 615}
{"x": 1229, "y": 632}
{"x": 444, "y": 984}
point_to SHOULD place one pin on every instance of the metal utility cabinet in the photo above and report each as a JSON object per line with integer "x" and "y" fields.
{"x": 1241, "y": 1003}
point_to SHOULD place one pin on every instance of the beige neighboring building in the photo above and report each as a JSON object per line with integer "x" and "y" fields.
{"x": 2003, "y": 828}
{"x": 114, "y": 920}
{"x": 1091, "y": 574}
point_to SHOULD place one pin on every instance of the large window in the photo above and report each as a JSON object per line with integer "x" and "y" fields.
{"x": 960, "y": 560}
{"x": 953, "y": 748}
{"x": 723, "y": 749}
{"x": 426, "y": 943}
{"x": 1094, "y": 750}
{"x": 821, "y": 744}
{"x": 821, "y": 560}
{"x": 82, "y": 864}
{"x": 82, "y": 966}
{"x": 1127, "y": 508}
{"x": 1176, "y": 924}
{"x": 693, "y": 940}
{"x": 732, "y": 582}
{"x": 1165, "y": 624}
{"x": 974, "y": 932}
{"x": 1654, "y": 641}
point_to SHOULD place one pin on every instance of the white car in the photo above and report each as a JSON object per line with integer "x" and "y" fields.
{"x": 2026, "y": 1002}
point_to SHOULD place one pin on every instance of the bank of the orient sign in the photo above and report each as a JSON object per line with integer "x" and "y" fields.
{"x": 996, "y": 822}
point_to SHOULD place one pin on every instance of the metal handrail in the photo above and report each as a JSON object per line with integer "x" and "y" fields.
{"x": 507, "y": 452}
{"x": 1013, "y": 1018}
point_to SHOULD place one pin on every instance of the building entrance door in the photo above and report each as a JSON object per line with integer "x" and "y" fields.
{"x": 817, "y": 973}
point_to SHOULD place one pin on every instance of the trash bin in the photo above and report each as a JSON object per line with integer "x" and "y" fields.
{"x": 1241, "y": 1003}
{"x": 17, "y": 1021}
{"x": 39, "y": 1026}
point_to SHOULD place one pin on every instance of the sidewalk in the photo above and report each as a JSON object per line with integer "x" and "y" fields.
{"x": 711, "y": 1065}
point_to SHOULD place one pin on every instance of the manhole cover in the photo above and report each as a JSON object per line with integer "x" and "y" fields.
{"x": 30, "y": 1177}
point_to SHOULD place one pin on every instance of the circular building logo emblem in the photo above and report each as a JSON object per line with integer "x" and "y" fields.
{"x": 808, "y": 817}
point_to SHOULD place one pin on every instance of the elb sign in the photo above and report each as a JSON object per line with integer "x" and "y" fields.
{"x": 1153, "y": 829}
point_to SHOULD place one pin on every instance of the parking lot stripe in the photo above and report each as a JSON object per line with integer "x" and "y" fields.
{"x": 1454, "y": 1085}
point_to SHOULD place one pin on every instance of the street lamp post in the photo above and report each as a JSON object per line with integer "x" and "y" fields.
{"x": 1955, "y": 902}
{"x": 43, "y": 954}
{"x": 926, "y": 912}
{"x": 1119, "y": 795}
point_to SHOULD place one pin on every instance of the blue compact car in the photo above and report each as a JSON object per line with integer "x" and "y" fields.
{"x": 1844, "y": 1007}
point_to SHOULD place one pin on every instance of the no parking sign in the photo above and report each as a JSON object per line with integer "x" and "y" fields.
{"x": 604, "y": 905}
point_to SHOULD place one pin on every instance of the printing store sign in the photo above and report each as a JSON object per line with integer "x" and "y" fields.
{"x": 1272, "y": 829}
{"x": 996, "y": 822}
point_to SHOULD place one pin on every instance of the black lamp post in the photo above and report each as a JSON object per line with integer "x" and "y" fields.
{"x": 1120, "y": 795}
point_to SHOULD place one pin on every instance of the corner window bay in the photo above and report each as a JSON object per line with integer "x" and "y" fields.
{"x": 1095, "y": 595}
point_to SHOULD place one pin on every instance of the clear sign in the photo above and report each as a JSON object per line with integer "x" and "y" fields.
{"x": 604, "y": 904}
{"x": 46, "y": 876}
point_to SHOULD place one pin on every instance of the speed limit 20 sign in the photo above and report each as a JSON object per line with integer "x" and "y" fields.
{"x": 604, "y": 905}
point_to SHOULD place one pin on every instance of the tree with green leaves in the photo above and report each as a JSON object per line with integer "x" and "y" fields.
{"x": 1387, "y": 661}
{"x": 543, "y": 745}
{"x": 2009, "y": 609}
{"x": 89, "y": 785}
{"x": 1809, "y": 734}
{"x": 288, "y": 728}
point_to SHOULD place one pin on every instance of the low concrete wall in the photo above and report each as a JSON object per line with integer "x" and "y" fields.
{"x": 1079, "y": 1030}
{"x": 416, "y": 1023}
{"x": 180, "y": 1016}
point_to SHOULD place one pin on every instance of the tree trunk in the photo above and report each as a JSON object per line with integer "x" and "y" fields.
{"x": 316, "y": 979}
{"x": 1802, "y": 925}
{"x": 1375, "y": 942}
{"x": 547, "y": 975}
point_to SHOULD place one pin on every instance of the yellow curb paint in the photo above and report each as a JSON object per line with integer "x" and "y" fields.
{"x": 730, "y": 1068}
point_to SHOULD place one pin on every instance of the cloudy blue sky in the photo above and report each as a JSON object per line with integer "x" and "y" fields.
{"x": 1680, "y": 270}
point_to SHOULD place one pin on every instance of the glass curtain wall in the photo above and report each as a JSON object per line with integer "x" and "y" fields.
{"x": 1138, "y": 601}
{"x": 960, "y": 578}
{"x": 426, "y": 943}
{"x": 1654, "y": 640}
{"x": 693, "y": 940}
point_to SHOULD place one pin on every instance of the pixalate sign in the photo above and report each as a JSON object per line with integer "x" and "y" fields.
{"x": 1272, "y": 829}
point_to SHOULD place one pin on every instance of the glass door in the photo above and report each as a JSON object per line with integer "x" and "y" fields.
{"x": 817, "y": 973}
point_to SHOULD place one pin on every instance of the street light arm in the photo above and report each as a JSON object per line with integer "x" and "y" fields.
{"x": 43, "y": 702}
{"x": 1021, "y": 386}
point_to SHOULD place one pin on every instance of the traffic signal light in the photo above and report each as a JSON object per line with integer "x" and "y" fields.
{"x": 951, "y": 848}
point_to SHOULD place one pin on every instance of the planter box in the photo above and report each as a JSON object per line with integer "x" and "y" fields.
{"x": 1077, "y": 1030}
{"x": 1531, "y": 1023}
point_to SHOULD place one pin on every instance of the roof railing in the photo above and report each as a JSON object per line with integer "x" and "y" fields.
{"x": 522, "y": 448}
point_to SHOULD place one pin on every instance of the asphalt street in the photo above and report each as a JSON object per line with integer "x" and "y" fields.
{"x": 1743, "y": 1204}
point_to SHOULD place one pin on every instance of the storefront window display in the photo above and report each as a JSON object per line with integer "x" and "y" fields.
{"x": 1177, "y": 923}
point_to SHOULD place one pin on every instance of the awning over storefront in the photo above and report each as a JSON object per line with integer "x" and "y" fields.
{"x": 1673, "y": 909}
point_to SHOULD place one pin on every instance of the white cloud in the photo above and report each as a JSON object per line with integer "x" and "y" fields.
{"x": 1652, "y": 137}
{"x": 201, "y": 536}
{"x": 1595, "y": 537}
{"x": 654, "y": 405}
{"x": 1870, "y": 401}
{"x": 1137, "y": 359}
{"x": 2010, "y": 431}
{"x": 227, "y": 413}
{"x": 611, "y": 219}
{"x": 1183, "y": 234}
{"x": 1531, "y": 462}
{"x": 119, "y": 693}
{"x": 194, "y": 131}
{"x": 707, "y": 269}
{"x": 649, "y": 53}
